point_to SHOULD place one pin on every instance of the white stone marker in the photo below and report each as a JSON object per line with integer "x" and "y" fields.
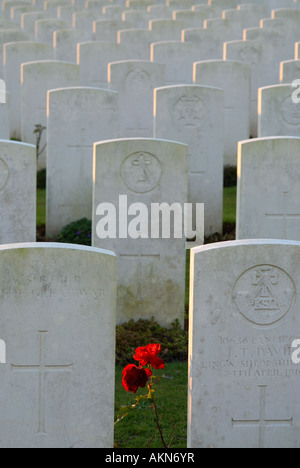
{"x": 135, "y": 82}
{"x": 77, "y": 117}
{"x": 4, "y": 115}
{"x": 65, "y": 44}
{"x": 194, "y": 115}
{"x": 277, "y": 113}
{"x": 178, "y": 58}
{"x": 16, "y": 53}
{"x": 166, "y": 29}
{"x": 93, "y": 59}
{"x": 151, "y": 270}
{"x": 258, "y": 54}
{"x": 17, "y": 192}
{"x": 45, "y": 28}
{"x": 58, "y": 323}
{"x": 10, "y": 35}
{"x": 289, "y": 71}
{"x": 244, "y": 316}
{"x": 36, "y": 79}
{"x": 268, "y": 195}
{"x": 235, "y": 79}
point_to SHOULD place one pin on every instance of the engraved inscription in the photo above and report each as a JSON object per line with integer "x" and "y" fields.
{"x": 264, "y": 294}
{"x": 137, "y": 81}
{"x": 42, "y": 369}
{"x": 4, "y": 174}
{"x": 189, "y": 112}
{"x": 262, "y": 422}
{"x": 141, "y": 172}
{"x": 285, "y": 217}
{"x": 44, "y": 287}
{"x": 290, "y": 112}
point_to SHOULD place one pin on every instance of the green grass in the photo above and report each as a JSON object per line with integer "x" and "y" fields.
{"x": 229, "y": 205}
{"x": 41, "y": 208}
{"x": 138, "y": 428}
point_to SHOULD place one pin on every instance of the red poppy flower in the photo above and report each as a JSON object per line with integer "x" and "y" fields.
{"x": 135, "y": 377}
{"x": 148, "y": 355}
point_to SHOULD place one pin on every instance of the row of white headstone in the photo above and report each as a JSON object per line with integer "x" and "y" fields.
{"x": 57, "y": 322}
{"x": 148, "y": 171}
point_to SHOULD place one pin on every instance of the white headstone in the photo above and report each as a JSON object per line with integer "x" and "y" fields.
{"x": 107, "y": 30}
{"x": 178, "y": 58}
{"x": 44, "y": 29}
{"x": 65, "y": 44}
{"x": 58, "y": 322}
{"x": 228, "y": 29}
{"x": 166, "y": 29}
{"x": 258, "y": 54}
{"x": 135, "y": 82}
{"x": 278, "y": 114}
{"x": 235, "y": 79}
{"x": 289, "y": 71}
{"x": 244, "y": 316}
{"x": 15, "y": 54}
{"x": 194, "y": 115}
{"x": 17, "y": 192}
{"x": 268, "y": 189}
{"x": 83, "y": 20}
{"x": 28, "y": 21}
{"x": 10, "y": 35}
{"x": 133, "y": 175}
{"x": 209, "y": 42}
{"x": 77, "y": 117}
{"x": 4, "y": 112}
{"x": 36, "y": 79}
{"x": 93, "y": 59}
{"x": 136, "y": 42}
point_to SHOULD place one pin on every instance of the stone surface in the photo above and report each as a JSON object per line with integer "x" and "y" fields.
{"x": 17, "y": 192}
{"x": 77, "y": 117}
{"x": 194, "y": 115}
{"x": 15, "y": 54}
{"x": 151, "y": 269}
{"x": 244, "y": 316}
{"x": 58, "y": 323}
{"x": 135, "y": 81}
{"x": 268, "y": 208}
{"x": 277, "y": 113}
{"x": 36, "y": 79}
{"x": 235, "y": 79}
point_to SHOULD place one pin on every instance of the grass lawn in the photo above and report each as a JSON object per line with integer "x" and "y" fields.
{"x": 41, "y": 208}
{"x": 138, "y": 428}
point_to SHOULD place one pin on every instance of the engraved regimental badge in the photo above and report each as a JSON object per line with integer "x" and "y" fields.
{"x": 264, "y": 294}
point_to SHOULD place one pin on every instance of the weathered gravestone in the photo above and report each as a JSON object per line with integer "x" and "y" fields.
{"x": 16, "y": 53}
{"x": 44, "y": 29}
{"x": 289, "y": 71}
{"x": 244, "y": 316}
{"x": 258, "y": 54}
{"x": 36, "y": 79}
{"x": 17, "y": 192}
{"x": 178, "y": 58}
{"x": 132, "y": 177}
{"x": 93, "y": 59}
{"x": 194, "y": 115}
{"x": 268, "y": 196}
{"x": 58, "y": 323}
{"x": 235, "y": 79}
{"x": 4, "y": 112}
{"x": 278, "y": 114}
{"x": 135, "y": 82}
{"x": 10, "y": 35}
{"x": 77, "y": 117}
